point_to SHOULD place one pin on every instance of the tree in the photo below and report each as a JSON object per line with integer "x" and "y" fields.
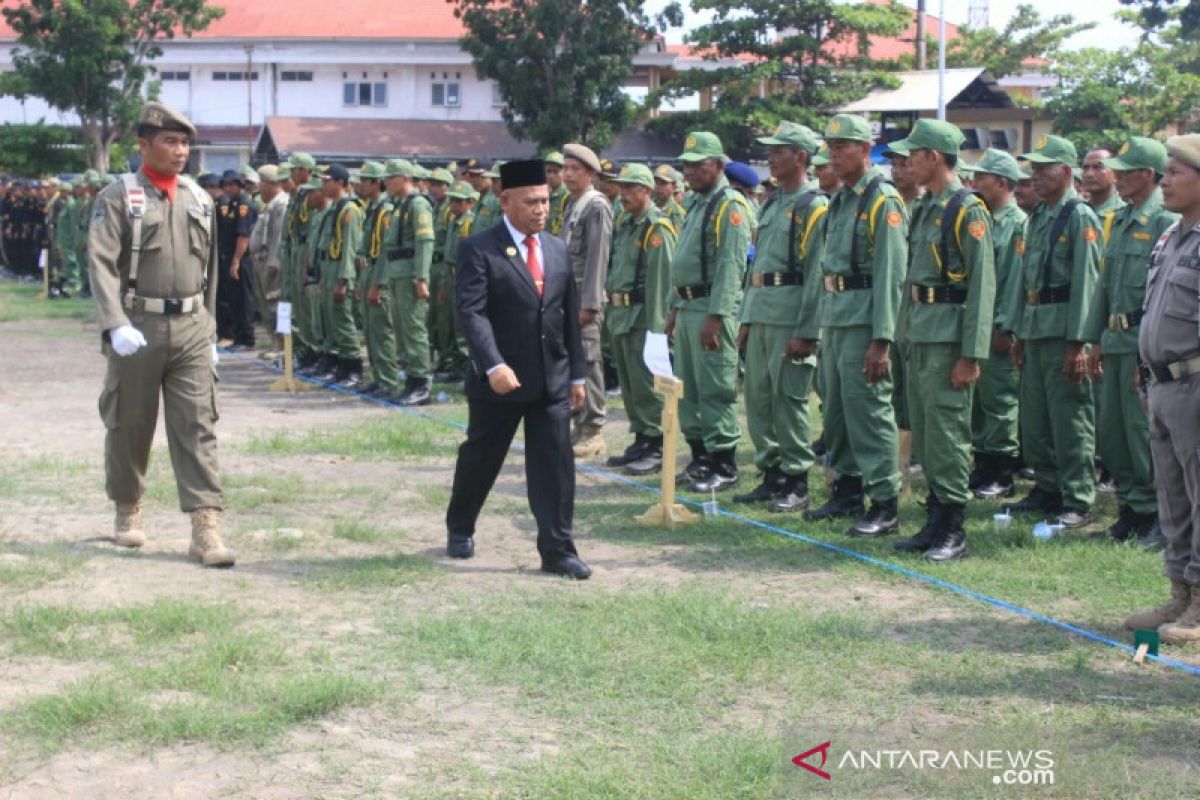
{"x": 779, "y": 59}
{"x": 40, "y": 149}
{"x": 92, "y": 57}
{"x": 1152, "y": 15}
{"x": 1106, "y": 96}
{"x": 1003, "y": 52}
{"x": 559, "y": 64}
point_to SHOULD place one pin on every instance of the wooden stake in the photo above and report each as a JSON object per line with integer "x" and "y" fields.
{"x": 288, "y": 382}
{"x": 667, "y": 512}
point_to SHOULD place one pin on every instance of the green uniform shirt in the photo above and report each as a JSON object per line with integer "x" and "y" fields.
{"x": 1008, "y": 243}
{"x": 376, "y": 224}
{"x": 1121, "y": 285}
{"x": 725, "y": 239}
{"x": 970, "y": 265}
{"x": 882, "y": 253}
{"x": 441, "y": 221}
{"x": 558, "y": 207}
{"x": 794, "y": 306}
{"x": 1106, "y": 212}
{"x": 412, "y": 228}
{"x": 308, "y": 264}
{"x": 1075, "y": 258}
{"x": 642, "y": 249}
{"x": 674, "y": 212}
{"x": 339, "y": 240}
{"x": 67, "y": 229}
{"x": 458, "y": 230}
{"x": 487, "y": 212}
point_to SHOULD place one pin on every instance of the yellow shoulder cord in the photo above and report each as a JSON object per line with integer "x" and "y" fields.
{"x": 335, "y": 246}
{"x": 377, "y": 234}
{"x": 813, "y": 217}
{"x": 1108, "y": 226}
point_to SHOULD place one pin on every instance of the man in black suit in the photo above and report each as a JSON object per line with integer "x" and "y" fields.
{"x": 519, "y": 312}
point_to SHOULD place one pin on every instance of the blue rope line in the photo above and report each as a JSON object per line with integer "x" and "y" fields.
{"x": 1182, "y": 666}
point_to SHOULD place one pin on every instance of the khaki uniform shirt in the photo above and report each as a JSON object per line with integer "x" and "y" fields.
{"x": 1169, "y": 330}
{"x": 588, "y": 235}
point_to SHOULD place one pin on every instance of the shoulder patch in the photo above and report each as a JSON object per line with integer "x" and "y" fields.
{"x": 976, "y": 228}
{"x": 243, "y": 210}
{"x": 894, "y": 218}
{"x": 656, "y": 240}
{"x": 735, "y": 218}
{"x": 1019, "y": 245}
{"x": 1090, "y": 234}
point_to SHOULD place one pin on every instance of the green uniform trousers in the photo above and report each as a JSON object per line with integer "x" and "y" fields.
{"x": 860, "y": 426}
{"x": 341, "y": 335}
{"x": 708, "y": 410}
{"x": 642, "y": 405}
{"x": 445, "y": 334}
{"x": 381, "y": 341}
{"x": 1125, "y": 446}
{"x": 72, "y": 273}
{"x": 315, "y": 303}
{"x": 994, "y": 416}
{"x": 777, "y": 391}
{"x": 302, "y": 338}
{"x": 941, "y": 420}
{"x": 1057, "y": 425}
{"x": 411, "y": 317}
{"x": 176, "y": 362}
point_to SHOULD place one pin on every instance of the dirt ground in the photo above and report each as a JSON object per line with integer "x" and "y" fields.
{"x": 49, "y": 421}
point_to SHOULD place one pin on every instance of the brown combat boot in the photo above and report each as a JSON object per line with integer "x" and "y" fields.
{"x": 127, "y": 526}
{"x": 207, "y": 547}
{"x": 1181, "y": 595}
{"x": 590, "y": 443}
{"x": 1186, "y": 627}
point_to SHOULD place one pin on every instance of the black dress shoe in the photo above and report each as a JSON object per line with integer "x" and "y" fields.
{"x": 773, "y": 482}
{"x": 461, "y": 548}
{"x": 631, "y": 454}
{"x": 1038, "y": 500}
{"x": 569, "y": 566}
{"x": 882, "y": 519}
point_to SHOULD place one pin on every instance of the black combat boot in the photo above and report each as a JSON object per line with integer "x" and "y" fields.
{"x": 982, "y": 471}
{"x": 881, "y": 519}
{"x": 928, "y": 535}
{"x": 699, "y": 467}
{"x": 352, "y": 374}
{"x": 631, "y": 454}
{"x": 650, "y": 460}
{"x": 846, "y": 500}
{"x": 951, "y": 543}
{"x": 793, "y": 496}
{"x": 1038, "y": 500}
{"x": 772, "y": 483}
{"x": 723, "y": 473}
{"x": 999, "y": 482}
{"x": 416, "y": 392}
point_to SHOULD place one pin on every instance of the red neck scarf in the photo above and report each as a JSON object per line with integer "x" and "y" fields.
{"x": 164, "y": 183}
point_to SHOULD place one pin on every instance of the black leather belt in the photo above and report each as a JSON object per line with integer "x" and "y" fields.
{"x": 1047, "y": 295}
{"x": 694, "y": 292}
{"x": 931, "y": 295}
{"x": 1175, "y": 371}
{"x": 843, "y": 283}
{"x": 760, "y": 279}
{"x": 625, "y": 299}
{"x": 1123, "y": 322}
{"x": 402, "y": 252}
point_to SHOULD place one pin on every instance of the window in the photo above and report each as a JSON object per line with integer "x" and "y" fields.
{"x": 235, "y": 76}
{"x": 364, "y": 94}
{"x": 445, "y": 94}
{"x": 175, "y": 76}
{"x": 295, "y": 76}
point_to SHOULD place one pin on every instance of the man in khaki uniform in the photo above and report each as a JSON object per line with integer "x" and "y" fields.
{"x": 155, "y": 307}
{"x": 265, "y": 242}
{"x": 587, "y": 230}
{"x": 1169, "y": 345}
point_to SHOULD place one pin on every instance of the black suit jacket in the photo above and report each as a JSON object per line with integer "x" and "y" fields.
{"x": 505, "y": 321}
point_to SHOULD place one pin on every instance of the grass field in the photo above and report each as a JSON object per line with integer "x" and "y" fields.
{"x": 345, "y": 657}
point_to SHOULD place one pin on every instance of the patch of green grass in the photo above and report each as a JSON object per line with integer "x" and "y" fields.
{"x": 44, "y": 476}
{"x": 358, "y": 530}
{"x": 20, "y": 302}
{"x": 39, "y": 565}
{"x": 375, "y": 572}
{"x": 376, "y": 438}
{"x": 71, "y": 632}
{"x": 237, "y": 688}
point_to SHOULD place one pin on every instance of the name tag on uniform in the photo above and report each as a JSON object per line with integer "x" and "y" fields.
{"x": 1141, "y": 236}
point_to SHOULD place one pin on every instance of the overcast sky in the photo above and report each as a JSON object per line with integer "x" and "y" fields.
{"x": 1109, "y": 33}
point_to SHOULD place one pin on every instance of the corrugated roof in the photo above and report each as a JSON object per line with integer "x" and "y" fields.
{"x": 319, "y": 19}
{"x": 918, "y": 91}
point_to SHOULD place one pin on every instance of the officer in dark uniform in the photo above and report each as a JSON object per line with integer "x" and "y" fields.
{"x": 235, "y": 221}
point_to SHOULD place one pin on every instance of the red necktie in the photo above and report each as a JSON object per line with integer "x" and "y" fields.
{"x": 531, "y": 260}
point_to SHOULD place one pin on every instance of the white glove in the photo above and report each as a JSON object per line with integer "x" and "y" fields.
{"x": 216, "y": 357}
{"x": 126, "y": 340}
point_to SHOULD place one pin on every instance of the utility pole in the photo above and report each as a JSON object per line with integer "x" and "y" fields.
{"x": 249, "y": 103}
{"x": 920, "y": 35}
